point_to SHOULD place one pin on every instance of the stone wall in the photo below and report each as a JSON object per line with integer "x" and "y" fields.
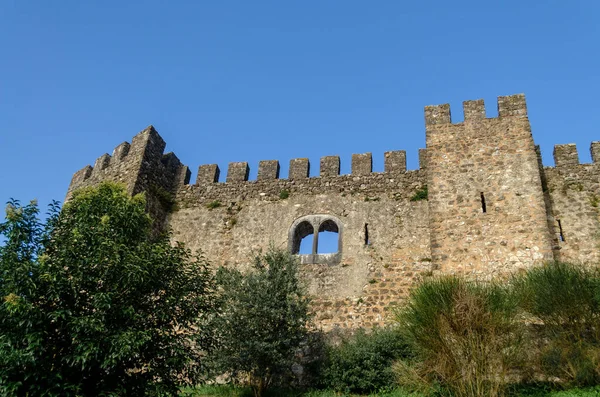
{"x": 481, "y": 204}
{"x": 486, "y": 205}
{"x": 230, "y": 221}
{"x": 140, "y": 167}
{"x": 573, "y": 191}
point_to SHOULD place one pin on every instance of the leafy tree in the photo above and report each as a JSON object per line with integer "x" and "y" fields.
{"x": 263, "y": 321}
{"x": 94, "y": 303}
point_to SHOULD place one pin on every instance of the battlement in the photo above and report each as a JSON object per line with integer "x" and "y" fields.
{"x": 481, "y": 203}
{"x": 474, "y": 111}
{"x": 566, "y": 155}
{"x": 362, "y": 165}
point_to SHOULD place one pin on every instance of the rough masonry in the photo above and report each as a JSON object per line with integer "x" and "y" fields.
{"x": 480, "y": 204}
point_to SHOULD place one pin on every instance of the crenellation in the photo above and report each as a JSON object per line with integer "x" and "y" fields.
{"x": 394, "y": 161}
{"x": 438, "y": 114}
{"x": 148, "y": 143}
{"x": 238, "y": 172}
{"x": 208, "y": 173}
{"x": 121, "y": 151}
{"x": 174, "y": 170}
{"x": 101, "y": 163}
{"x": 595, "y": 151}
{"x": 512, "y": 106}
{"x": 474, "y": 110}
{"x": 330, "y": 166}
{"x": 362, "y": 164}
{"x": 81, "y": 175}
{"x": 565, "y": 155}
{"x": 490, "y": 208}
{"x": 268, "y": 169}
{"x": 183, "y": 176}
{"x": 299, "y": 168}
{"x": 422, "y": 159}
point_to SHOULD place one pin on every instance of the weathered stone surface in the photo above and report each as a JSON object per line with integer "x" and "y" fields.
{"x": 268, "y": 169}
{"x": 395, "y": 161}
{"x": 487, "y": 213}
{"x": 362, "y": 164}
{"x": 208, "y": 173}
{"x": 492, "y": 209}
{"x": 299, "y": 168}
{"x": 330, "y": 166}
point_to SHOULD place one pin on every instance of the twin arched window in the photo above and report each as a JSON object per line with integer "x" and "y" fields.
{"x": 328, "y": 228}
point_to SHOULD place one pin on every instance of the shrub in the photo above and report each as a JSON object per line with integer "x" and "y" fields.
{"x": 465, "y": 337}
{"x": 565, "y": 300}
{"x": 362, "y": 363}
{"x": 420, "y": 194}
{"x": 263, "y": 321}
{"x": 213, "y": 204}
{"x": 284, "y": 194}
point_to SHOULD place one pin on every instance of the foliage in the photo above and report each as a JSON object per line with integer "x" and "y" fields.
{"x": 164, "y": 197}
{"x": 93, "y": 304}
{"x": 229, "y": 391}
{"x": 263, "y": 321}
{"x": 213, "y": 204}
{"x": 465, "y": 337}
{"x": 420, "y": 194}
{"x": 363, "y": 363}
{"x": 566, "y": 299}
{"x": 284, "y": 194}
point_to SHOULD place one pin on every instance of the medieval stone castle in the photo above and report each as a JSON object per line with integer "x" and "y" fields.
{"x": 481, "y": 204}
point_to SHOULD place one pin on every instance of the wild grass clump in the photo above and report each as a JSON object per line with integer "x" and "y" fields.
{"x": 464, "y": 335}
{"x": 362, "y": 363}
{"x": 563, "y": 301}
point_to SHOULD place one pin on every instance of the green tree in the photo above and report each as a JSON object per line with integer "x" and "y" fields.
{"x": 263, "y": 321}
{"x": 95, "y": 304}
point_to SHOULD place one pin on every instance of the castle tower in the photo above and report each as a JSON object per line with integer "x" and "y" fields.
{"x": 486, "y": 204}
{"x": 140, "y": 167}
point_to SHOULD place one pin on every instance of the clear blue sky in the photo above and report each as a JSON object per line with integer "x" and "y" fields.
{"x": 250, "y": 80}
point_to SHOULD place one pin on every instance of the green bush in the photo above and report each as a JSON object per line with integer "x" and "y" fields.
{"x": 465, "y": 336}
{"x": 93, "y": 303}
{"x": 564, "y": 300}
{"x": 263, "y": 322}
{"x": 363, "y": 362}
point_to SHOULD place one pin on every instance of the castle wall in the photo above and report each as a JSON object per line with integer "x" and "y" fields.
{"x": 253, "y": 214}
{"x": 486, "y": 205}
{"x": 574, "y": 196}
{"x": 140, "y": 167}
{"x": 481, "y": 204}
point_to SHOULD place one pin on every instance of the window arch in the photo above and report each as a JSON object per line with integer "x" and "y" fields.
{"x": 316, "y": 225}
{"x": 303, "y": 229}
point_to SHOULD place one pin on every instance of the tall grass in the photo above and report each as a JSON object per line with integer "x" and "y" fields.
{"x": 564, "y": 301}
{"x": 465, "y": 337}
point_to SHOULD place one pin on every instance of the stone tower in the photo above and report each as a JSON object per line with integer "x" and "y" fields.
{"x": 487, "y": 212}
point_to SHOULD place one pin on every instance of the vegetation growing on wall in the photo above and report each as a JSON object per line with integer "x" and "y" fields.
{"x": 420, "y": 194}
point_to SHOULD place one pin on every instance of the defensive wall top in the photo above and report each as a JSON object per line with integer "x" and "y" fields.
{"x": 148, "y": 146}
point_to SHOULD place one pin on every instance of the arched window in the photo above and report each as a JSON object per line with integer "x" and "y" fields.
{"x": 326, "y": 241}
{"x": 299, "y": 240}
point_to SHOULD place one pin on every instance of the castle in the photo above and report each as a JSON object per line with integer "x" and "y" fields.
{"x": 481, "y": 204}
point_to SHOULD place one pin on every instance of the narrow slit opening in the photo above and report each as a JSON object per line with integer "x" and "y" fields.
{"x": 483, "y": 206}
{"x": 560, "y": 231}
{"x": 367, "y": 241}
